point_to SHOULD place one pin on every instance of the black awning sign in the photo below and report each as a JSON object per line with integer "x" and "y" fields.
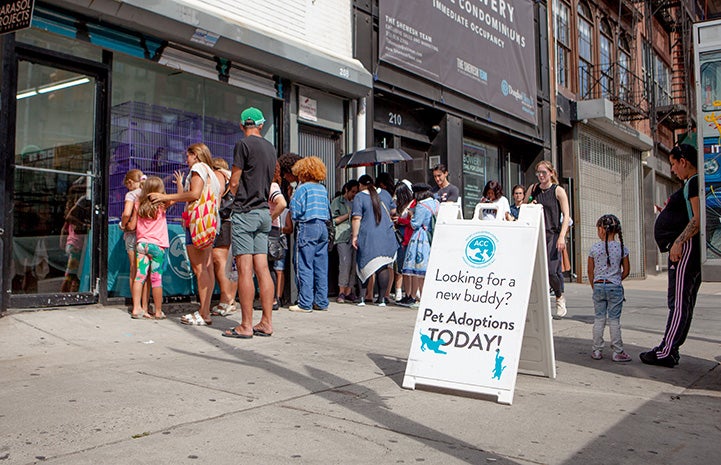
{"x": 15, "y": 15}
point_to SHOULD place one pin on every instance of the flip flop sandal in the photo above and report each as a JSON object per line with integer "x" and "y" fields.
{"x": 194, "y": 319}
{"x": 257, "y": 332}
{"x": 160, "y": 317}
{"x": 144, "y": 316}
{"x": 235, "y": 334}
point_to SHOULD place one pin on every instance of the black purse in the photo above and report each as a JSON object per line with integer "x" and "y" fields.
{"x": 277, "y": 244}
{"x": 225, "y": 209}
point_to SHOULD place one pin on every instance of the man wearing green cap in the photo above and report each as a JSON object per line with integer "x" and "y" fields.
{"x": 253, "y": 167}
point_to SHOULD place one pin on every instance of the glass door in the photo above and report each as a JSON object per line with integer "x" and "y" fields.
{"x": 54, "y": 202}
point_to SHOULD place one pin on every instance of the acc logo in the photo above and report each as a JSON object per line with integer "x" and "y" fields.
{"x": 505, "y": 88}
{"x": 480, "y": 250}
{"x": 178, "y": 258}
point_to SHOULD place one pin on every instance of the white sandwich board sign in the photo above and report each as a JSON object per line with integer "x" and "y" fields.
{"x": 484, "y": 310}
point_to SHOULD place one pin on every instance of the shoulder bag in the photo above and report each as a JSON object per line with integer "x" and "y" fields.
{"x": 201, "y": 217}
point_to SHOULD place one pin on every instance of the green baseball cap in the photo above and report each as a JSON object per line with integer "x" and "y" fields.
{"x": 251, "y": 117}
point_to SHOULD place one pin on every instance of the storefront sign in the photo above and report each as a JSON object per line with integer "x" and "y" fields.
{"x": 15, "y": 15}
{"x": 477, "y": 298}
{"x": 483, "y": 49}
{"x": 307, "y": 108}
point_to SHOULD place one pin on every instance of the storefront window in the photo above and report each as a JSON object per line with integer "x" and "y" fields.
{"x": 480, "y": 165}
{"x": 156, "y": 113}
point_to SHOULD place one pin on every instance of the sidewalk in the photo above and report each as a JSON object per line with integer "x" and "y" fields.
{"x": 91, "y": 386}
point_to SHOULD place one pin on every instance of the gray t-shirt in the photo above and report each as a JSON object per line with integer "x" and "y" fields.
{"x": 447, "y": 194}
{"x": 601, "y": 268}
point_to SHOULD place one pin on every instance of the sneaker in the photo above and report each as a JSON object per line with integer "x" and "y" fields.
{"x": 621, "y": 357}
{"x": 382, "y": 303}
{"x": 650, "y": 358}
{"x": 407, "y": 302}
{"x": 597, "y": 355}
{"x": 415, "y": 304}
{"x": 561, "y": 307}
{"x": 341, "y": 298}
{"x": 319, "y": 309}
{"x": 362, "y": 303}
{"x": 296, "y": 308}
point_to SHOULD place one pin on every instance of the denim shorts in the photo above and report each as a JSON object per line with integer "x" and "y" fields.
{"x": 129, "y": 239}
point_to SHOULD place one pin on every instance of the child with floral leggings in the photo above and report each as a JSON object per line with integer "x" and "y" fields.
{"x": 151, "y": 241}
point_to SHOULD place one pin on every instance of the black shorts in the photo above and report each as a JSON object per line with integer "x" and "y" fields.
{"x": 222, "y": 239}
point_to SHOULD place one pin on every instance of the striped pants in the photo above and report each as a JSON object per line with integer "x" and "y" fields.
{"x": 684, "y": 280}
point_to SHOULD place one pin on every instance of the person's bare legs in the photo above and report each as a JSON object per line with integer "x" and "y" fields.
{"x": 280, "y": 284}
{"x": 227, "y": 287}
{"x": 145, "y": 294}
{"x": 158, "y": 301}
{"x": 267, "y": 291}
{"x": 246, "y": 293}
{"x": 202, "y": 262}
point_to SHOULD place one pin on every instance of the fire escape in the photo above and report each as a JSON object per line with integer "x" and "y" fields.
{"x": 617, "y": 81}
{"x": 675, "y": 110}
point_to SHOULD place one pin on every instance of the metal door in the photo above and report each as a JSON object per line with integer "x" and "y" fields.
{"x": 55, "y": 210}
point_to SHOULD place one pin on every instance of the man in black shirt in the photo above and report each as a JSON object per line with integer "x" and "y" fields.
{"x": 676, "y": 231}
{"x": 253, "y": 167}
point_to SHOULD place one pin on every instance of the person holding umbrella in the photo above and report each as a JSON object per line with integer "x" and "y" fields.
{"x": 372, "y": 235}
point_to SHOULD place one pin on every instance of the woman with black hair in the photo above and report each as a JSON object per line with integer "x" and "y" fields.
{"x": 404, "y": 204}
{"x": 372, "y": 235}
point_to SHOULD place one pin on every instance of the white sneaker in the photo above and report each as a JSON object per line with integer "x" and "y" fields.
{"x": 362, "y": 303}
{"x": 299, "y": 309}
{"x": 561, "y": 306}
{"x": 597, "y": 355}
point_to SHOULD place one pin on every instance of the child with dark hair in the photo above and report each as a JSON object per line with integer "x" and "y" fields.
{"x": 608, "y": 265}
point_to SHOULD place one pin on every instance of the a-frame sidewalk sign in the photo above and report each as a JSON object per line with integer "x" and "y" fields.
{"x": 485, "y": 309}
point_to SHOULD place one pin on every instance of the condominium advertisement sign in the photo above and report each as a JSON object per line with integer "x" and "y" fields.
{"x": 482, "y": 48}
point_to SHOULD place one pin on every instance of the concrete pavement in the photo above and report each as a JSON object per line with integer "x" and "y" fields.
{"x": 90, "y": 385}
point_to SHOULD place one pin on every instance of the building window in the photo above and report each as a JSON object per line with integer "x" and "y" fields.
{"x": 563, "y": 36}
{"x": 662, "y": 82}
{"x": 585, "y": 51}
{"x": 606, "y": 60}
{"x": 624, "y": 69}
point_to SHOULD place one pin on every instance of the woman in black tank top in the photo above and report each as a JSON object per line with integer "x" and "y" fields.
{"x": 554, "y": 199}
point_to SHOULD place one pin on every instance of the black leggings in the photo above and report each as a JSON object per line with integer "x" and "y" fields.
{"x": 382, "y": 277}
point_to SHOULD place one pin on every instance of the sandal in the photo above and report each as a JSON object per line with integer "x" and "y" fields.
{"x": 145, "y": 316}
{"x": 194, "y": 319}
{"x": 160, "y": 317}
{"x": 224, "y": 309}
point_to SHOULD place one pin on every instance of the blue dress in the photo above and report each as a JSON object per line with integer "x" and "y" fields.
{"x": 419, "y": 247}
{"x": 377, "y": 243}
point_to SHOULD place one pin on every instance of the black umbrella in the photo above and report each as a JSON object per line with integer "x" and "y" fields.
{"x": 373, "y": 156}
